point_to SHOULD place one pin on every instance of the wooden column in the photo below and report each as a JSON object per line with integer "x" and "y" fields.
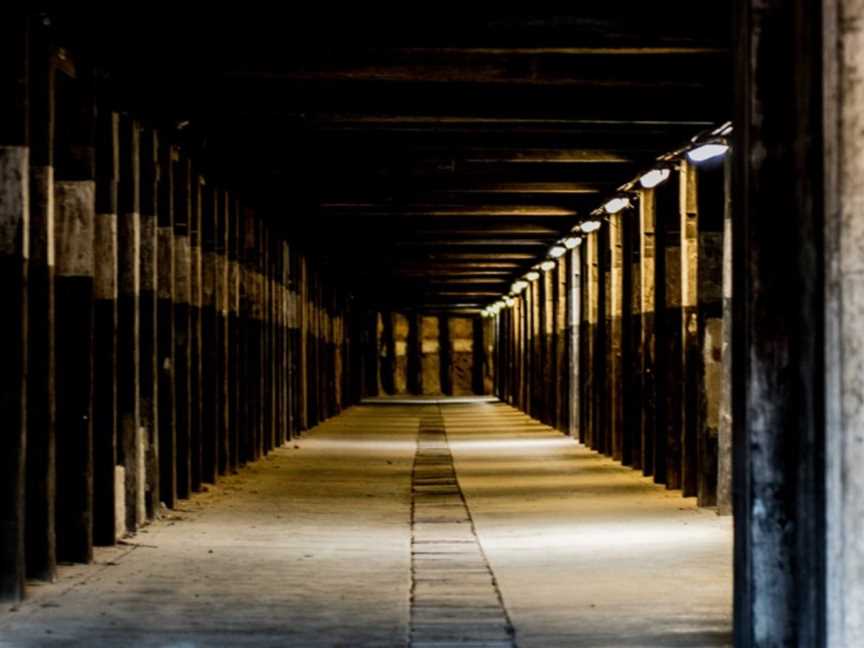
{"x": 74, "y": 212}
{"x": 691, "y": 349}
{"x": 614, "y": 332}
{"x": 535, "y": 349}
{"x": 196, "y": 393}
{"x": 182, "y": 346}
{"x": 648, "y": 346}
{"x": 14, "y": 252}
{"x": 589, "y": 341}
{"x": 602, "y": 440}
{"x": 149, "y": 327}
{"x": 478, "y": 361}
{"x": 547, "y": 345}
{"x": 430, "y": 347}
{"x": 130, "y": 446}
{"x": 724, "y": 434}
{"x": 711, "y": 204}
{"x": 235, "y": 409}
{"x": 210, "y": 391}
{"x": 415, "y": 357}
{"x": 561, "y": 380}
{"x": 779, "y": 371}
{"x": 575, "y": 306}
{"x": 167, "y": 390}
{"x": 41, "y": 421}
{"x": 223, "y": 350}
{"x": 667, "y": 469}
{"x": 105, "y": 423}
{"x": 632, "y": 341}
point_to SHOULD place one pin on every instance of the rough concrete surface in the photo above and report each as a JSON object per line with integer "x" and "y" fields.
{"x": 312, "y": 547}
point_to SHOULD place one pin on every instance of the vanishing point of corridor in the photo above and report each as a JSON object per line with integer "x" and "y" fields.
{"x": 355, "y": 535}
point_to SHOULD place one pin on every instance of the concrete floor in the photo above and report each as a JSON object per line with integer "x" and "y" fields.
{"x": 313, "y": 546}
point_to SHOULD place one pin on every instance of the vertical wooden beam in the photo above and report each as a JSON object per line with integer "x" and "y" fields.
{"x": 105, "y": 423}
{"x": 478, "y": 360}
{"x": 615, "y": 341}
{"x": 575, "y": 306}
{"x": 223, "y": 351}
{"x": 669, "y": 336}
{"x": 779, "y": 368}
{"x": 182, "y": 346}
{"x": 547, "y": 345}
{"x": 602, "y": 442}
{"x": 535, "y": 350}
{"x": 711, "y": 205}
{"x": 561, "y": 380}
{"x": 691, "y": 350}
{"x": 41, "y": 412}
{"x": 632, "y": 333}
{"x": 589, "y": 339}
{"x": 724, "y": 434}
{"x": 130, "y": 448}
{"x": 149, "y": 327}
{"x": 74, "y": 211}
{"x": 167, "y": 390}
{"x": 196, "y": 393}
{"x": 14, "y": 252}
{"x": 445, "y": 359}
{"x": 235, "y": 410}
{"x": 648, "y": 373}
{"x": 415, "y": 371}
{"x": 430, "y": 347}
{"x": 210, "y": 391}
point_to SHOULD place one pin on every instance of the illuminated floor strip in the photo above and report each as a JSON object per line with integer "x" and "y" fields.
{"x": 455, "y": 600}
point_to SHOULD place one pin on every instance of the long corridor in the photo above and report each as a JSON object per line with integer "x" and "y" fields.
{"x": 324, "y": 543}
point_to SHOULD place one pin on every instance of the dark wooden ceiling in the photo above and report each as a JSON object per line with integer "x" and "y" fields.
{"x": 428, "y": 158}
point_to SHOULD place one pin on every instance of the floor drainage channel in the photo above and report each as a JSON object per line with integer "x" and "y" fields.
{"x": 455, "y": 600}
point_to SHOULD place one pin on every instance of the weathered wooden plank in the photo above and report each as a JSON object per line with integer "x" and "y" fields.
{"x": 210, "y": 319}
{"x": 196, "y": 394}
{"x": 182, "y": 347}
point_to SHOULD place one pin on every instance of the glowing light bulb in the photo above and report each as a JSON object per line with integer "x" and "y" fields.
{"x": 556, "y": 251}
{"x": 654, "y": 177}
{"x": 546, "y": 266}
{"x": 590, "y": 226}
{"x": 707, "y": 151}
{"x": 572, "y": 242}
{"x": 519, "y": 286}
{"x": 616, "y": 205}
{"x": 532, "y": 276}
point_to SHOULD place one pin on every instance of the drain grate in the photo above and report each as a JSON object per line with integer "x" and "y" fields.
{"x": 455, "y": 600}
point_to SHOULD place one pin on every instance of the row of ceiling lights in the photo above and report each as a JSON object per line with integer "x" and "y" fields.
{"x": 703, "y": 147}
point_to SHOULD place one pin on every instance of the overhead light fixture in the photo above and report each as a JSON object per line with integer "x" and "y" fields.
{"x": 509, "y": 301}
{"x": 616, "y": 205}
{"x": 572, "y": 242}
{"x": 519, "y": 286}
{"x": 707, "y": 151}
{"x": 556, "y": 251}
{"x": 532, "y": 276}
{"x": 546, "y": 266}
{"x": 590, "y": 226}
{"x": 654, "y": 177}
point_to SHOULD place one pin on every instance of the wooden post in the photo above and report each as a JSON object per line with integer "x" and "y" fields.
{"x": 74, "y": 211}
{"x": 148, "y": 326}
{"x": 779, "y": 318}
{"x": 614, "y": 332}
{"x": 223, "y": 423}
{"x": 182, "y": 347}
{"x": 691, "y": 349}
{"x": 588, "y": 349}
{"x": 547, "y": 342}
{"x": 648, "y": 309}
{"x": 41, "y": 412}
{"x": 561, "y": 380}
{"x": 445, "y": 355}
{"x": 14, "y": 252}
{"x": 196, "y": 394}
{"x": 669, "y": 350}
{"x": 631, "y": 360}
{"x": 724, "y": 434}
{"x": 130, "y": 447}
{"x": 105, "y": 422}
{"x": 167, "y": 409}
{"x": 235, "y": 418}
{"x": 575, "y": 306}
{"x": 711, "y": 207}
{"x": 210, "y": 390}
